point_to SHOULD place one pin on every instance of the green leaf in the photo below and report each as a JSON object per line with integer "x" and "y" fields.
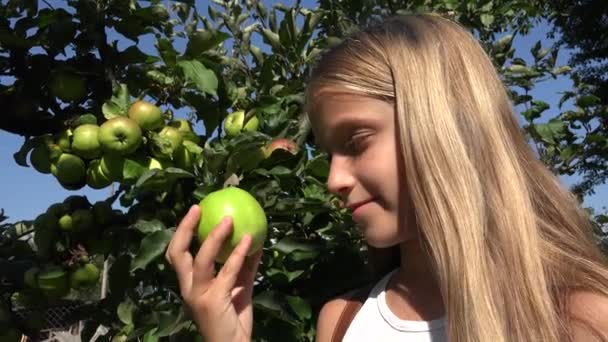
{"x": 535, "y": 112}
{"x": 504, "y": 43}
{"x": 290, "y": 244}
{"x": 587, "y": 101}
{"x": 203, "y": 40}
{"x": 167, "y": 52}
{"x": 87, "y": 119}
{"x": 119, "y": 104}
{"x": 192, "y": 147}
{"x": 147, "y": 227}
{"x": 318, "y": 166}
{"x": 552, "y": 130}
{"x": 204, "y": 79}
{"x": 151, "y": 336}
{"x": 150, "y": 248}
{"x": 132, "y": 169}
{"x": 21, "y": 155}
{"x": 300, "y": 307}
{"x": 274, "y": 304}
{"x": 272, "y": 39}
{"x": 561, "y": 70}
{"x": 487, "y": 19}
{"x": 125, "y": 311}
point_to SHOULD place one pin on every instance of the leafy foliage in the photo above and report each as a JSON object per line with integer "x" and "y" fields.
{"x": 207, "y": 63}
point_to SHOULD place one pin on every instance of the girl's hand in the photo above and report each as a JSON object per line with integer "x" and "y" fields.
{"x": 220, "y": 304}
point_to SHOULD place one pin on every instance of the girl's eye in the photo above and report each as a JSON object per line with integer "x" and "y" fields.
{"x": 356, "y": 143}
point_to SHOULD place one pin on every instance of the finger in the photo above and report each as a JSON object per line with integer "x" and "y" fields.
{"x": 178, "y": 252}
{"x": 204, "y": 262}
{"x": 249, "y": 271}
{"x": 251, "y": 265}
{"x": 180, "y": 243}
{"x": 229, "y": 273}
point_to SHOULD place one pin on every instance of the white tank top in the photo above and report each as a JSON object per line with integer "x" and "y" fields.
{"x": 376, "y": 322}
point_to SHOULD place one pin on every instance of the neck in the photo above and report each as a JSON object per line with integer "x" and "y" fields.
{"x": 416, "y": 266}
{"x": 415, "y": 284}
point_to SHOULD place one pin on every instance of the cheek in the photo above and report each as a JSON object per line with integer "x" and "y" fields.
{"x": 381, "y": 167}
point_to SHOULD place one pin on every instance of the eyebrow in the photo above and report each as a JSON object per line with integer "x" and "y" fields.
{"x": 347, "y": 124}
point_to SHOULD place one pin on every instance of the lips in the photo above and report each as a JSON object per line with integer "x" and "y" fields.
{"x": 356, "y": 205}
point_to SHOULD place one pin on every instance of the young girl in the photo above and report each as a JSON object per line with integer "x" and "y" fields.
{"x": 427, "y": 152}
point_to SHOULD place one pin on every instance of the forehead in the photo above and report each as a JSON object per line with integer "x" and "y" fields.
{"x": 334, "y": 107}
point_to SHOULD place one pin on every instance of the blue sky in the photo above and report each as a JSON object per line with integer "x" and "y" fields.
{"x": 26, "y": 193}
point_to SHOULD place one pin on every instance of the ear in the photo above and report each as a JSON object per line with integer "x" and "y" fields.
{"x": 589, "y": 311}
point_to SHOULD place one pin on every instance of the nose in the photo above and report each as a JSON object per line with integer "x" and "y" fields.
{"x": 340, "y": 180}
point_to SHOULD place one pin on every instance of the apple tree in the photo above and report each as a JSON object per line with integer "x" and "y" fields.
{"x": 167, "y": 102}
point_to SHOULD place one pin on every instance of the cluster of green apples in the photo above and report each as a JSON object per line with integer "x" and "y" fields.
{"x": 70, "y": 269}
{"x": 55, "y": 281}
{"x": 94, "y": 155}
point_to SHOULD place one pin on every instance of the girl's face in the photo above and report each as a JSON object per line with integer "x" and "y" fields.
{"x": 366, "y": 170}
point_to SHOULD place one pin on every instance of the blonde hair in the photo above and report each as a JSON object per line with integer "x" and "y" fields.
{"x": 508, "y": 241}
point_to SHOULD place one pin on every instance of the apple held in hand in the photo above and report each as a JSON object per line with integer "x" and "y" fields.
{"x": 146, "y": 115}
{"x": 120, "y": 135}
{"x": 247, "y": 214}
{"x": 233, "y": 125}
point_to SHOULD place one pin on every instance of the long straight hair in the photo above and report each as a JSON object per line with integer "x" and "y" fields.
{"x": 509, "y": 243}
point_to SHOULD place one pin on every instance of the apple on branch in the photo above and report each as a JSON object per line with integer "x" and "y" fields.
{"x": 120, "y": 135}
{"x": 233, "y": 124}
{"x": 85, "y": 141}
{"x": 147, "y": 115}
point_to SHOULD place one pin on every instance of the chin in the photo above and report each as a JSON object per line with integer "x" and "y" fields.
{"x": 382, "y": 240}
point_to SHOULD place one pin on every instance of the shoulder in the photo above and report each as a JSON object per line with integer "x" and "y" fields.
{"x": 331, "y": 311}
{"x": 589, "y": 312}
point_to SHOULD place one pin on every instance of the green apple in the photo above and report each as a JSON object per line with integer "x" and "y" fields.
{"x": 146, "y": 115}
{"x": 85, "y": 142}
{"x": 63, "y": 140}
{"x": 67, "y": 86}
{"x": 112, "y": 166}
{"x": 96, "y": 178}
{"x": 69, "y": 169}
{"x": 40, "y": 158}
{"x": 248, "y": 217}
{"x": 233, "y": 124}
{"x": 185, "y": 127}
{"x": 171, "y": 138}
{"x": 120, "y": 135}
{"x": 84, "y": 276}
{"x": 82, "y": 219}
{"x": 153, "y": 163}
{"x": 57, "y": 210}
{"x": 66, "y": 223}
{"x": 30, "y": 277}
{"x": 76, "y": 202}
{"x": 184, "y": 159}
{"x": 103, "y": 212}
{"x": 182, "y": 125}
{"x": 53, "y": 281}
